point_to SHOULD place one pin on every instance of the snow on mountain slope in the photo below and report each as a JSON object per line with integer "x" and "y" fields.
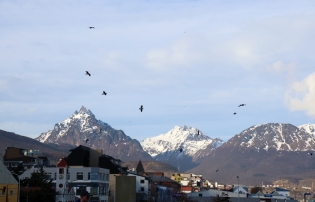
{"x": 185, "y": 137}
{"x": 82, "y": 128}
{"x": 309, "y": 128}
{"x": 277, "y": 136}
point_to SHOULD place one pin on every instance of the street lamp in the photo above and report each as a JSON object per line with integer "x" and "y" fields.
{"x": 238, "y": 189}
{"x": 19, "y": 182}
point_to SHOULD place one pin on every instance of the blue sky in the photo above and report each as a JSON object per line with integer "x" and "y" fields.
{"x": 187, "y": 62}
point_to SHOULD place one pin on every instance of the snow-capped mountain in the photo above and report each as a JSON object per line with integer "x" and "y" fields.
{"x": 262, "y": 153}
{"x": 274, "y": 136}
{"x": 82, "y": 128}
{"x": 309, "y": 128}
{"x": 165, "y": 147}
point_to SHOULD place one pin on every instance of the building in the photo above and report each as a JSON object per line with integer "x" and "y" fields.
{"x": 9, "y": 186}
{"x": 81, "y": 170}
{"x": 18, "y": 159}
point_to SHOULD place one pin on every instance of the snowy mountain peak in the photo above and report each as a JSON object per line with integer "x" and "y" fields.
{"x": 82, "y": 122}
{"x": 308, "y": 128}
{"x": 184, "y": 137}
{"x": 82, "y": 128}
{"x": 276, "y": 136}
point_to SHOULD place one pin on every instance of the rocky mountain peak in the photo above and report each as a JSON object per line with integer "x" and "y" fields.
{"x": 82, "y": 128}
{"x": 275, "y": 136}
{"x": 165, "y": 147}
{"x": 308, "y": 128}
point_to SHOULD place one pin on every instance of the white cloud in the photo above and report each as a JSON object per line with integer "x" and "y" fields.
{"x": 301, "y": 95}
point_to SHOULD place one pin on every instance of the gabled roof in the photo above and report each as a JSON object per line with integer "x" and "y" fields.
{"x": 260, "y": 193}
{"x": 275, "y": 193}
{"x": 140, "y": 168}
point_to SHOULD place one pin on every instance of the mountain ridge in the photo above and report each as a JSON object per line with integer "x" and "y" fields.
{"x": 82, "y": 128}
{"x": 165, "y": 147}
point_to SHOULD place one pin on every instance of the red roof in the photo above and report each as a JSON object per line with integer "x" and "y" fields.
{"x": 186, "y": 188}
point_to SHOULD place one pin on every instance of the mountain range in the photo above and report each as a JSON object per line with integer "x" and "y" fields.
{"x": 261, "y": 153}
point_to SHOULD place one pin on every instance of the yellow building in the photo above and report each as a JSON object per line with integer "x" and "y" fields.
{"x": 9, "y": 186}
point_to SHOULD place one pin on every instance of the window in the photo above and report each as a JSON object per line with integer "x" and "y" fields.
{"x": 142, "y": 189}
{"x": 13, "y": 164}
{"x": 55, "y": 176}
{"x": 48, "y": 176}
{"x": 11, "y": 192}
{"x": 93, "y": 190}
{"x": 142, "y": 181}
{"x": 79, "y": 176}
{"x": 107, "y": 177}
{"x": 79, "y": 190}
{"x": 93, "y": 176}
{"x": 200, "y": 195}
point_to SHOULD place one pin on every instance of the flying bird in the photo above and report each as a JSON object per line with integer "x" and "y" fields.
{"x": 92, "y": 27}
{"x": 104, "y": 93}
{"x": 310, "y": 154}
{"x": 234, "y": 113}
{"x": 241, "y": 105}
{"x": 87, "y": 73}
{"x": 216, "y": 170}
{"x": 141, "y": 108}
{"x": 180, "y": 150}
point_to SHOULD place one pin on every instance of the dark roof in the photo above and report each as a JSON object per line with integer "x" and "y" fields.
{"x": 280, "y": 189}
{"x": 140, "y": 168}
{"x": 82, "y": 147}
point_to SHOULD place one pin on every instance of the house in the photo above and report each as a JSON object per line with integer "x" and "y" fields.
{"x": 15, "y": 157}
{"x": 240, "y": 189}
{"x": 283, "y": 192}
{"x": 8, "y": 185}
{"x": 82, "y": 169}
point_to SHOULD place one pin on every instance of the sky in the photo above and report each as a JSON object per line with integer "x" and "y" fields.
{"x": 188, "y": 62}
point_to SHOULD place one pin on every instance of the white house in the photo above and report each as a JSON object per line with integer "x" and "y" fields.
{"x": 283, "y": 192}
{"x": 142, "y": 184}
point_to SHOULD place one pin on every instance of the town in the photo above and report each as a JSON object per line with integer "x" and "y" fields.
{"x": 25, "y": 172}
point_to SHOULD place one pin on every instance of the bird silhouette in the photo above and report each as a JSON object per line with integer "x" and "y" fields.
{"x": 141, "y": 108}
{"x": 87, "y": 73}
{"x": 216, "y": 170}
{"x": 104, "y": 93}
{"x": 241, "y": 105}
{"x": 180, "y": 150}
{"x": 234, "y": 113}
{"x": 92, "y": 27}
{"x": 310, "y": 154}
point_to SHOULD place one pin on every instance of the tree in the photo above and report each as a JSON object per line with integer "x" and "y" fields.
{"x": 38, "y": 187}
